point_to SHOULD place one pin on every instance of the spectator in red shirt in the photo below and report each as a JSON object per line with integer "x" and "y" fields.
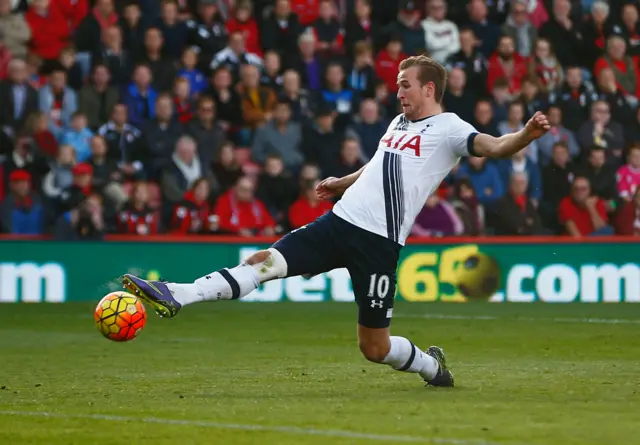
{"x": 184, "y": 105}
{"x": 388, "y": 62}
{"x": 49, "y": 29}
{"x": 244, "y": 23}
{"x": 307, "y": 10}
{"x": 73, "y": 10}
{"x": 582, "y": 214}
{"x": 308, "y": 207}
{"x": 5, "y": 58}
{"x": 507, "y": 63}
{"x": 240, "y": 213}
{"x": 137, "y": 217}
{"x": 627, "y": 220}
{"x": 625, "y": 68}
{"x": 193, "y": 214}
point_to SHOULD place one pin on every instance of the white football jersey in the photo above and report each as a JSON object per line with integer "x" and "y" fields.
{"x": 412, "y": 159}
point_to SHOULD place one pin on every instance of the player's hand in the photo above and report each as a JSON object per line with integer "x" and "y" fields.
{"x": 537, "y": 125}
{"x": 329, "y": 188}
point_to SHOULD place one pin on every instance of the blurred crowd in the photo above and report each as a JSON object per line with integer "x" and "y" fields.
{"x": 221, "y": 116}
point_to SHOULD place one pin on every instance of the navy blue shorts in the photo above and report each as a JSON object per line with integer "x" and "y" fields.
{"x": 331, "y": 243}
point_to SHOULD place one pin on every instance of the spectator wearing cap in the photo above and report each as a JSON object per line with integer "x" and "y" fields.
{"x": 235, "y": 55}
{"x": 174, "y": 31}
{"x": 49, "y": 29}
{"x": 21, "y": 211}
{"x": 360, "y": 27}
{"x": 485, "y": 179}
{"x": 600, "y": 130}
{"x": 97, "y": 99}
{"x": 557, "y": 133}
{"x": 115, "y": 57}
{"x": 625, "y": 68}
{"x": 257, "y": 101}
{"x": 582, "y": 214}
{"x": 328, "y": 30}
{"x": 25, "y": 157}
{"x": 629, "y": 28}
{"x": 388, "y": 62}
{"x": 457, "y": 97}
{"x": 243, "y": 22}
{"x": 241, "y": 213}
{"x": 368, "y": 128}
{"x": 321, "y": 142}
{"x": 140, "y": 97}
{"x": 305, "y": 61}
{"x": 207, "y": 32}
{"x": 307, "y": 208}
{"x": 80, "y": 188}
{"x": 279, "y": 136}
{"x": 408, "y": 27}
{"x": 227, "y": 101}
{"x": 57, "y": 100}
{"x": 91, "y": 29}
{"x": 487, "y": 32}
{"x": 205, "y": 130}
{"x": 506, "y": 63}
{"x": 442, "y": 37}
{"x": 471, "y": 61}
{"x": 276, "y": 188}
{"x": 566, "y": 34}
{"x": 160, "y": 136}
{"x": 520, "y": 29}
{"x": 163, "y": 68}
{"x": 184, "y": 170}
{"x": 619, "y": 103}
{"x": 18, "y": 98}
{"x": 78, "y": 136}
{"x": 15, "y": 30}
{"x": 281, "y": 29}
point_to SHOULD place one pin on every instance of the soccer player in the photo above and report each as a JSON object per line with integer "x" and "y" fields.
{"x": 369, "y": 225}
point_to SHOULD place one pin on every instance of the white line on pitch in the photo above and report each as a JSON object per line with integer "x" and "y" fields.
{"x": 248, "y": 427}
{"x": 506, "y": 318}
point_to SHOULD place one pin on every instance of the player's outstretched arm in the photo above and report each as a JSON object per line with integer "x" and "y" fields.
{"x": 505, "y": 146}
{"x": 332, "y": 186}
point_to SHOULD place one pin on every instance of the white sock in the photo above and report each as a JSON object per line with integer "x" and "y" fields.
{"x": 224, "y": 284}
{"x": 405, "y": 356}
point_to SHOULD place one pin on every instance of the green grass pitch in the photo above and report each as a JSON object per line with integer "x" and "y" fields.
{"x": 283, "y": 374}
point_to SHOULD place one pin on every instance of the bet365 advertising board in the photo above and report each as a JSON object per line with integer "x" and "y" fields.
{"x": 48, "y": 271}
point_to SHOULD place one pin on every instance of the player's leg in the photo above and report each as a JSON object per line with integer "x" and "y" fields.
{"x": 374, "y": 284}
{"x": 305, "y": 251}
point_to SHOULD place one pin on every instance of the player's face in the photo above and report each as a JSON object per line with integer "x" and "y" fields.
{"x": 411, "y": 94}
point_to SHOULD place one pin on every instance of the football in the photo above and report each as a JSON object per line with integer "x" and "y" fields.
{"x": 478, "y": 276}
{"x": 120, "y": 316}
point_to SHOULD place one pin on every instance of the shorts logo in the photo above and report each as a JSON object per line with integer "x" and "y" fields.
{"x": 377, "y": 304}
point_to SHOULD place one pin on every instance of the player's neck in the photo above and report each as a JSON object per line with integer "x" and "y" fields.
{"x": 426, "y": 112}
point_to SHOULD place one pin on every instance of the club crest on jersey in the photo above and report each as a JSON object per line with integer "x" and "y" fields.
{"x": 402, "y": 142}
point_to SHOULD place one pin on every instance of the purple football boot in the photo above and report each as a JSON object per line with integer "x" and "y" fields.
{"x": 156, "y": 293}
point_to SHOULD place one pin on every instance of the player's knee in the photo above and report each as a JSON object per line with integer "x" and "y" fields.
{"x": 268, "y": 264}
{"x": 374, "y": 351}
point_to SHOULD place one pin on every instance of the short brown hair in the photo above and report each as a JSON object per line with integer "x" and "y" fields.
{"x": 428, "y": 71}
